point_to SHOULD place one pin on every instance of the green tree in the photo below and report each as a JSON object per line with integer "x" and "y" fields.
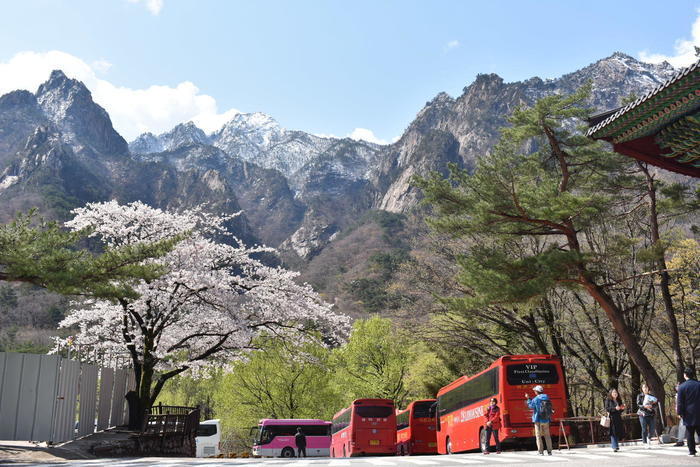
{"x": 280, "y": 380}
{"x": 685, "y": 290}
{"x": 375, "y": 362}
{"x": 192, "y": 392}
{"x": 42, "y": 253}
{"x": 552, "y": 198}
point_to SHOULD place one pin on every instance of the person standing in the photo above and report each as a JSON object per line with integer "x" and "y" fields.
{"x": 681, "y": 426}
{"x": 615, "y": 408}
{"x": 646, "y": 404}
{"x": 542, "y": 411}
{"x": 493, "y": 424}
{"x": 300, "y": 441}
{"x": 689, "y": 407}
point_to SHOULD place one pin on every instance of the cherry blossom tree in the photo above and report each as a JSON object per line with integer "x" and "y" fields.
{"x": 213, "y": 300}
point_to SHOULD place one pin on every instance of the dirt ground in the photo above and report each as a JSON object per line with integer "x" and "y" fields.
{"x": 25, "y": 451}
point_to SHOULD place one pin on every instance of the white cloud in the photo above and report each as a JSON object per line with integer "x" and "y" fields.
{"x": 365, "y": 135}
{"x": 453, "y": 44}
{"x": 133, "y": 111}
{"x": 154, "y": 6}
{"x": 101, "y": 65}
{"x": 360, "y": 134}
{"x": 684, "y": 49}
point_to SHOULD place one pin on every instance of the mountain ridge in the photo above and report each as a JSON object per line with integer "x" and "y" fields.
{"x": 298, "y": 190}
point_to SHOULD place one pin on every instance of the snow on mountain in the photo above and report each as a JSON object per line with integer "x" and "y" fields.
{"x": 258, "y": 138}
{"x": 184, "y": 134}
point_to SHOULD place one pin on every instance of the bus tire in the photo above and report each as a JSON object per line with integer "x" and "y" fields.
{"x": 287, "y": 452}
{"x": 448, "y": 446}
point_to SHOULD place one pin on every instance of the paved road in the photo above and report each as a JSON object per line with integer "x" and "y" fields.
{"x": 628, "y": 456}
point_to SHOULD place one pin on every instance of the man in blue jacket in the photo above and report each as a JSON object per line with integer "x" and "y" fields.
{"x": 541, "y": 416}
{"x": 689, "y": 407}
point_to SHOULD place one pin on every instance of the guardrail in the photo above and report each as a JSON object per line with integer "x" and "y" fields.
{"x": 595, "y": 431}
{"x": 171, "y": 419}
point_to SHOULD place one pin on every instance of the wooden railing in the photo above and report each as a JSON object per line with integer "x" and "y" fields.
{"x": 161, "y": 409}
{"x": 173, "y": 428}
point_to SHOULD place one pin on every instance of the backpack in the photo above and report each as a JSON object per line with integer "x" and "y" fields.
{"x": 545, "y": 409}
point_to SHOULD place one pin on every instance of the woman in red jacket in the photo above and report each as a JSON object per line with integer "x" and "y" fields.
{"x": 492, "y": 425}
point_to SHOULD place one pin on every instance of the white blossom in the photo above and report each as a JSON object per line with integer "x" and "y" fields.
{"x": 213, "y": 299}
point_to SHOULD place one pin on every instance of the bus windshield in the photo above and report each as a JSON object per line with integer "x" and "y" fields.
{"x": 532, "y": 373}
{"x": 374, "y": 411}
{"x": 424, "y": 409}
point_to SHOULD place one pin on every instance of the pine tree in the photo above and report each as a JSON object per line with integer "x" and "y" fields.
{"x": 529, "y": 212}
{"x": 43, "y": 253}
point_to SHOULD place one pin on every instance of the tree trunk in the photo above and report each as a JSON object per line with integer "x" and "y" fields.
{"x": 635, "y": 380}
{"x": 665, "y": 279}
{"x": 629, "y": 340}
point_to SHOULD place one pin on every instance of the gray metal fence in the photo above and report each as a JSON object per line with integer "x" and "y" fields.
{"x": 43, "y": 396}
{"x": 106, "y": 385}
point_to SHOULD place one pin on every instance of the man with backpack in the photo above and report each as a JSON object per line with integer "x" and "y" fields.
{"x": 542, "y": 412}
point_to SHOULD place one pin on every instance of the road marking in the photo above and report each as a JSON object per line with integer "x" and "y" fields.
{"x": 587, "y": 456}
{"x": 631, "y": 454}
{"x": 462, "y": 461}
{"x": 379, "y": 462}
{"x": 510, "y": 458}
{"x": 420, "y": 461}
{"x": 339, "y": 462}
{"x": 553, "y": 458}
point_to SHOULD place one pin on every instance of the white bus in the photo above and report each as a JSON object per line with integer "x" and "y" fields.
{"x": 208, "y": 438}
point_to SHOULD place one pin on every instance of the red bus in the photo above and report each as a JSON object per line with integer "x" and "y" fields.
{"x": 367, "y": 427}
{"x": 415, "y": 428}
{"x": 461, "y": 404}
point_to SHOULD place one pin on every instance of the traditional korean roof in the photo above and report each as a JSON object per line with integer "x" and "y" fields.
{"x": 663, "y": 125}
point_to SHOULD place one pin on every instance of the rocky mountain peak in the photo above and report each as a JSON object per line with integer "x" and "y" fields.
{"x": 259, "y": 128}
{"x": 187, "y": 133}
{"x": 17, "y": 99}
{"x": 59, "y": 81}
{"x": 183, "y": 134}
{"x": 484, "y": 83}
{"x": 68, "y": 104}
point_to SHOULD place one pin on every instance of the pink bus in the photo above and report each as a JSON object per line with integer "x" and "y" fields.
{"x": 275, "y": 437}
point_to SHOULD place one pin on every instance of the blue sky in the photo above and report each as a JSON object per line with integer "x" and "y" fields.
{"x": 327, "y": 67}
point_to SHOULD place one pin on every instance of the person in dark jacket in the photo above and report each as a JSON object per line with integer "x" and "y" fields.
{"x": 492, "y": 425}
{"x": 689, "y": 407}
{"x": 646, "y": 410}
{"x": 681, "y": 426}
{"x": 300, "y": 441}
{"x": 615, "y": 408}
